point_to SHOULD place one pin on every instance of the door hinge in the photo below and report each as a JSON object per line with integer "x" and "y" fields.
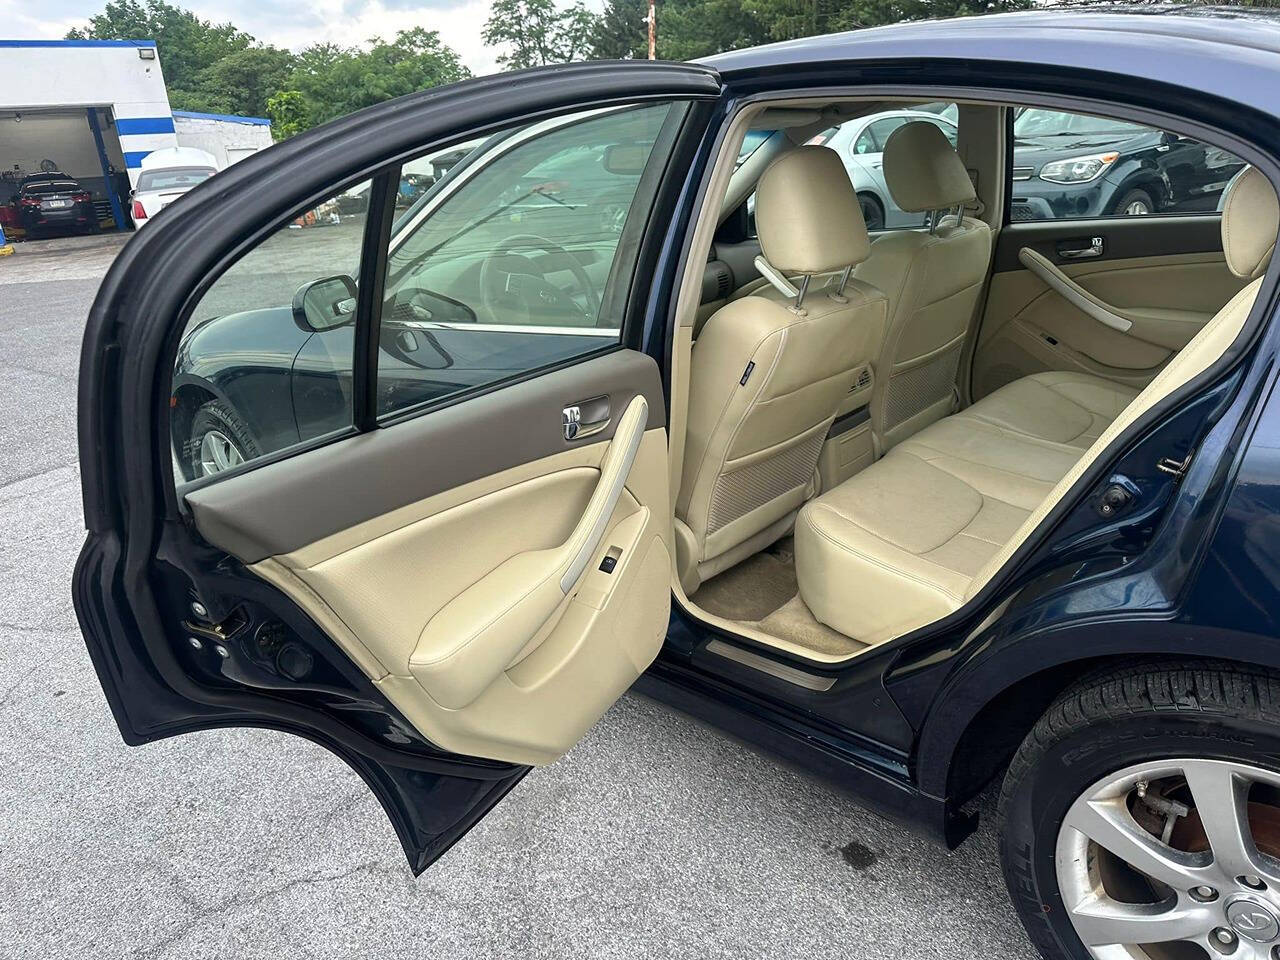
{"x": 1174, "y": 467}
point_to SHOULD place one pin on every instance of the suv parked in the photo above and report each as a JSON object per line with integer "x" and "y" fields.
{"x": 1076, "y": 165}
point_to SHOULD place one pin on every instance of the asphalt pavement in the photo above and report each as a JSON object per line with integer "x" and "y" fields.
{"x": 654, "y": 837}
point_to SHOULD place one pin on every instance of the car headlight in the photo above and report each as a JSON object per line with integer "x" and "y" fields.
{"x": 1078, "y": 169}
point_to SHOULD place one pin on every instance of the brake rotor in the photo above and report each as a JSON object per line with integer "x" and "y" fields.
{"x": 1264, "y": 823}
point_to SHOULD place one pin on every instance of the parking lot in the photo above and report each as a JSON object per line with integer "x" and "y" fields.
{"x": 655, "y": 837}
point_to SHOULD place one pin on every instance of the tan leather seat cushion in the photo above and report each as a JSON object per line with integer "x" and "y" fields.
{"x": 898, "y": 544}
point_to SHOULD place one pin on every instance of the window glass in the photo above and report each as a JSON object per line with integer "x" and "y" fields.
{"x": 860, "y": 144}
{"x": 508, "y": 253}
{"x": 519, "y": 255}
{"x": 265, "y": 360}
{"x": 183, "y": 178}
{"x": 1072, "y": 165}
{"x": 751, "y": 143}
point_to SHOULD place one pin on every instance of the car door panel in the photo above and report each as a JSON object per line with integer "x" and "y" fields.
{"x": 447, "y": 584}
{"x": 441, "y": 595}
{"x": 1166, "y": 276}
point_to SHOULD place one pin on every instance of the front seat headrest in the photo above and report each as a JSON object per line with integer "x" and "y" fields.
{"x": 923, "y": 171}
{"x": 1250, "y": 218}
{"x": 807, "y": 214}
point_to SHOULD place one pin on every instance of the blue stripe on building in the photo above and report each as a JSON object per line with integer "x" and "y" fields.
{"x": 137, "y": 126}
{"x": 133, "y": 158}
{"x": 77, "y": 43}
{"x": 225, "y": 117}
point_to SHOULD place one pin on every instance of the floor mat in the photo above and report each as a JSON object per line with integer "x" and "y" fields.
{"x": 762, "y": 592}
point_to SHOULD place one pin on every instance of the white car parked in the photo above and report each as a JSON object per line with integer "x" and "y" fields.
{"x": 166, "y": 175}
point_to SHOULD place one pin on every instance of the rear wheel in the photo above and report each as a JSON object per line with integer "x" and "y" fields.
{"x": 1140, "y": 819}
{"x": 872, "y": 211}
{"x": 219, "y": 441}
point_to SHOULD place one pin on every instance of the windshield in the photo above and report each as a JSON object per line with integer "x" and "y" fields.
{"x": 176, "y": 178}
{"x": 1034, "y": 122}
{"x": 50, "y": 186}
{"x": 752, "y": 143}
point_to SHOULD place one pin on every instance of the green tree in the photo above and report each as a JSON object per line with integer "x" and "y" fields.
{"x": 288, "y": 112}
{"x": 790, "y": 19}
{"x": 331, "y": 81}
{"x": 621, "y": 32}
{"x": 187, "y": 44}
{"x": 534, "y": 33}
{"x": 688, "y": 29}
{"x": 242, "y": 82}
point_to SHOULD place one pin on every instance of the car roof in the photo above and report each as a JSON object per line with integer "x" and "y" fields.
{"x": 1229, "y": 51}
{"x": 42, "y": 177}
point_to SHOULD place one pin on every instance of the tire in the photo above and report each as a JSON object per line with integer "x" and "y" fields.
{"x": 218, "y": 423}
{"x": 1135, "y": 203}
{"x": 1100, "y": 732}
{"x": 872, "y": 211}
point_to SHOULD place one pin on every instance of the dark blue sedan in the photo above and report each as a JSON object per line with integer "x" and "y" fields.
{"x": 629, "y": 398}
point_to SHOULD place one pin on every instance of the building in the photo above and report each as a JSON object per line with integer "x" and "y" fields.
{"x": 228, "y": 138}
{"x": 93, "y": 109}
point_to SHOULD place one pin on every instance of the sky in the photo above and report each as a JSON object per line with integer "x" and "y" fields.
{"x": 289, "y": 23}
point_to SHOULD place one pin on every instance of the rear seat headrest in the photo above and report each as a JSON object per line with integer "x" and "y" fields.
{"x": 1250, "y": 218}
{"x": 923, "y": 171}
{"x": 807, "y": 214}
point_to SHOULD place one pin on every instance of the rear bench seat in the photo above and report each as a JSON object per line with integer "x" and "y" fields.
{"x": 898, "y": 544}
{"x": 911, "y": 537}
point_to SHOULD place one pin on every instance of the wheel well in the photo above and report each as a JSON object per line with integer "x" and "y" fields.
{"x": 872, "y": 197}
{"x": 187, "y": 399}
{"x": 994, "y": 734}
{"x": 1149, "y": 185}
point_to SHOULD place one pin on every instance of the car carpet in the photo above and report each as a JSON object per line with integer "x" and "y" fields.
{"x": 762, "y": 592}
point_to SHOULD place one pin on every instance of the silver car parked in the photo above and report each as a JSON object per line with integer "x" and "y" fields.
{"x": 860, "y": 143}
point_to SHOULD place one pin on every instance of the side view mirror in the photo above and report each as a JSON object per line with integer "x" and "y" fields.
{"x": 325, "y": 304}
{"x": 626, "y": 159}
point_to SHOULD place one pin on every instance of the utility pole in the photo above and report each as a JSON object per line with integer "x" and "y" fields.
{"x": 653, "y": 30}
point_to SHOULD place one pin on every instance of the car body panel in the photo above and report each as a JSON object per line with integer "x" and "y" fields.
{"x": 1135, "y": 573}
{"x": 52, "y": 203}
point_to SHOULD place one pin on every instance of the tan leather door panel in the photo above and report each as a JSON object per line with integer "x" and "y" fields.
{"x": 1163, "y": 298}
{"x": 502, "y": 615}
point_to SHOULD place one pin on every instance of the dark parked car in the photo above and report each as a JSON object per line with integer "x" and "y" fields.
{"x": 51, "y": 203}
{"x": 1075, "y": 165}
{"x": 987, "y": 503}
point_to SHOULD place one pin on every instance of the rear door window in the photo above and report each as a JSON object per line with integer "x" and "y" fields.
{"x": 1081, "y": 166}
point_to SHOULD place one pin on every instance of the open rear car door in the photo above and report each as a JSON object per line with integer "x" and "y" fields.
{"x": 370, "y": 450}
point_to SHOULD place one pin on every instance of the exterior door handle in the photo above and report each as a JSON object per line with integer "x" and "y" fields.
{"x": 586, "y": 418}
{"x": 1094, "y": 249}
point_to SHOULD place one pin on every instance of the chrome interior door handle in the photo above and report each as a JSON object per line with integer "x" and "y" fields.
{"x": 1094, "y": 249}
{"x": 586, "y": 418}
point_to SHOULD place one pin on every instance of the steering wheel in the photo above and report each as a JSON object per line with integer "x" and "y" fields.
{"x": 511, "y": 282}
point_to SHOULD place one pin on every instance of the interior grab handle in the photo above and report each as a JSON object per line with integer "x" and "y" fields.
{"x": 1072, "y": 292}
{"x": 614, "y": 471}
{"x": 474, "y": 637}
{"x": 1094, "y": 249}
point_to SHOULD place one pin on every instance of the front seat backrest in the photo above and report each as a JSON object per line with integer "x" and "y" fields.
{"x": 933, "y": 279}
{"x": 769, "y": 370}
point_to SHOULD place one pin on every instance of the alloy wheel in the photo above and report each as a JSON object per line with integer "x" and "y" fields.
{"x": 218, "y": 452}
{"x": 1175, "y": 859}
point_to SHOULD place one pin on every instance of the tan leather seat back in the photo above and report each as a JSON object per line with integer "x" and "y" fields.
{"x": 933, "y": 279}
{"x": 767, "y": 375}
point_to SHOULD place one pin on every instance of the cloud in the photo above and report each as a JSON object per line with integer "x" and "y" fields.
{"x": 292, "y": 24}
